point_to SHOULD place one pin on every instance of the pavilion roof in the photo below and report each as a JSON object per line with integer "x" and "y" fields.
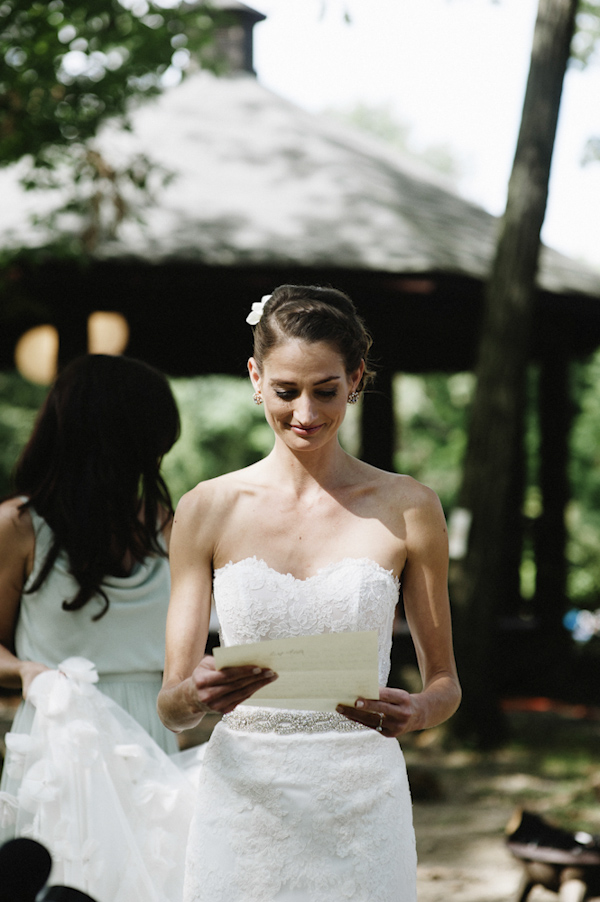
{"x": 256, "y": 180}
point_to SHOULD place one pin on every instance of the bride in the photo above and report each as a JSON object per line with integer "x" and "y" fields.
{"x": 300, "y": 806}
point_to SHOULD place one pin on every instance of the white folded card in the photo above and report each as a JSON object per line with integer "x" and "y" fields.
{"x": 316, "y": 673}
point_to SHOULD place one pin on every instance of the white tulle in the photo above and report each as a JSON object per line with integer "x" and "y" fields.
{"x": 91, "y": 785}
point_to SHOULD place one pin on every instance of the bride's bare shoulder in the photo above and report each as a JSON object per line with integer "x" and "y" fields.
{"x": 399, "y": 488}
{"x": 213, "y": 496}
{"x": 405, "y": 497}
{"x": 415, "y": 493}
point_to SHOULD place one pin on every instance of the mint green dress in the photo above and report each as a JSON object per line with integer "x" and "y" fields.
{"x": 127, "y": 644}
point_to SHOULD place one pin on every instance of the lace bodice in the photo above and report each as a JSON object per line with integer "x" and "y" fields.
{"x": 255, "y": 602}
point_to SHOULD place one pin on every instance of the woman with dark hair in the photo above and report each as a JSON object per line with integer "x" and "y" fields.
{"x": 83, "y": 541}
{"x": 302, "y": 805}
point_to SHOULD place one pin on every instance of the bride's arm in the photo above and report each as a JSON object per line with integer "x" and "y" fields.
{"x": 427, "y": 609}
{"x": 192, "y": 685}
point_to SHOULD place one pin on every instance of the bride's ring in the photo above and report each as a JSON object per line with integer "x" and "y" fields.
{"x": 379, "y": 727}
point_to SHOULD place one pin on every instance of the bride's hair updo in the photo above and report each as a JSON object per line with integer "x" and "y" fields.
{"x": 311, "y": 313}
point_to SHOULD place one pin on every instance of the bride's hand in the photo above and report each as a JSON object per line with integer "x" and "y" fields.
{"x": 392, "y": 714}
{"x": 220, "y": 691}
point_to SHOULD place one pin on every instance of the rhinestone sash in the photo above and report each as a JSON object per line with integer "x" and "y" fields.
{"x": 285, "y": 722}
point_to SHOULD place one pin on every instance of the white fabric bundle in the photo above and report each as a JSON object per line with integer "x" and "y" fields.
{"x": 92, "y": 786}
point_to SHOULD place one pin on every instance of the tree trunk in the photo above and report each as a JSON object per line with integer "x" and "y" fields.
{"x": 501, "y": 368}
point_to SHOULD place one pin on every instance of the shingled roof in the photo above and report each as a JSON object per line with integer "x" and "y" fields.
{"x": 258, "y": 181}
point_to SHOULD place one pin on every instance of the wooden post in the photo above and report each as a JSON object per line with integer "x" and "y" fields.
{"x": 377, "y": 423}
{"x": 550, "y": 602}
{"x": 72, "y": 335}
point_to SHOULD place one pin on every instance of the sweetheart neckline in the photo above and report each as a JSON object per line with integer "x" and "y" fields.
{"x": 332, "y": 565}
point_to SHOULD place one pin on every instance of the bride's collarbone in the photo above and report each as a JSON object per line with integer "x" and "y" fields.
{"x": 301, "y": 539}
{"x": 322, "y": 513}
{"x": 303, "y": 555}
{"x": 359, "y": 517}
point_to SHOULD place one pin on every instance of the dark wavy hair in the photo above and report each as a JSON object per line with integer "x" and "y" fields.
{"x": 91, "y": 468}
{"x": 314, "y": 313}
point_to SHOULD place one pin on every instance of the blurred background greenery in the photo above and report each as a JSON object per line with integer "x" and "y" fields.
{"x": 222, "y": 430}
{"x": 433, "y": 413}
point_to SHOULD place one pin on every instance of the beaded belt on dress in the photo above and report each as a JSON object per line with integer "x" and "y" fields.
{"x": 279, "y": 720}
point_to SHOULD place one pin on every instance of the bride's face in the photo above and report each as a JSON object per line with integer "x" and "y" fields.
{"x": 305, "y": 390}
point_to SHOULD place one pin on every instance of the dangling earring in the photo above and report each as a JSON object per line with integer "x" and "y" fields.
{"x": 257, "y": 397}
{"x": 353, "y": 397}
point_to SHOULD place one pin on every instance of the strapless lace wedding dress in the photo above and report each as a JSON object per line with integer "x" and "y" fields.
{"x": 301, "y": 806}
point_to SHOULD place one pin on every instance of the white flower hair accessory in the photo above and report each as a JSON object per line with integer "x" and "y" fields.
{"x": 257, "y": 310}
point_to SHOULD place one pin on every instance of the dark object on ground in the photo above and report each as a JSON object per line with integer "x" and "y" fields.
{"x": 425, "y": 785}
{"x": 64, "y": 894}
{"x": 25, "y": 866}
{"x": 24, "y": 869}
{"x": 563, "y": 862}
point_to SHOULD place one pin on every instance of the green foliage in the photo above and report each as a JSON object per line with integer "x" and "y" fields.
{"x": 432, "y": 413}
{"x": 65, "y": 67}
{"x": 98, "y": 196}
{"x": 585, "y": 42}
{"x": 19, "y": 402}
{"x": 583, "y": 515}
{"x": 221, "y": 430}
{"x": 584, "y": 51}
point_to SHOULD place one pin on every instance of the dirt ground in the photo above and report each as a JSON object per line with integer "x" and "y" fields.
{"x": 460, "y": 836}
{"x": 463, "y": 799}
{"x": 551, "y": 767}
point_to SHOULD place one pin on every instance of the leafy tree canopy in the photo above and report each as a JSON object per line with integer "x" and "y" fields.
{"x": 66, "y": 66}
{"x": 585, "y": 48}
{"x": 585, "y": 41}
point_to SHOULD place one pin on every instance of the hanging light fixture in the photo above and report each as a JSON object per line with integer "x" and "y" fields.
{"x": 108, "y": 332}
{"x": 36, "y": 354}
